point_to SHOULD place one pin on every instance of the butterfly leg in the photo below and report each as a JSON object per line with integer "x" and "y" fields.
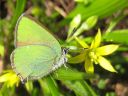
{"x": 25, "y": 80}
{"x": 22, "y": 79}
{"x": 64, "y": 62}
{"x": 65, "y": 66}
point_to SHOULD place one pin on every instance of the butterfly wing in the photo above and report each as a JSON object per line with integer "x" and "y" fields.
{"x": 30, "y": 32}
{"x": 33, "y": 61}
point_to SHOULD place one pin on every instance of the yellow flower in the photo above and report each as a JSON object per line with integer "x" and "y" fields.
{"x": 10, "y": 78}
{"x": 94, "y": 54}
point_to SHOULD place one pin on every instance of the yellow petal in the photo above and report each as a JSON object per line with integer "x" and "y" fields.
{"x": 82, "y": 43}
{"x": 96, "y": 42}
{"x": 106, "y": 50}
{"x": 6, "y": 77}
{"x": 89, "y": 66}
{"x": 104, "y": 63}
{"x": 77, "y": 59}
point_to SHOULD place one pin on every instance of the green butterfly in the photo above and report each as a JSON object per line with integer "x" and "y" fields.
{"x": 37, "y": 52}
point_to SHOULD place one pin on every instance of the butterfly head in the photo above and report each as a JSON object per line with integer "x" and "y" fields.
{"x": 64, "y": 52}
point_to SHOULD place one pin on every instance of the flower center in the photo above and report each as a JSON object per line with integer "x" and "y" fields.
{"x": 93, "y": 56}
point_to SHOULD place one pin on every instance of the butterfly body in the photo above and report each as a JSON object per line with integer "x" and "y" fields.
{"x": 37, "y": 52}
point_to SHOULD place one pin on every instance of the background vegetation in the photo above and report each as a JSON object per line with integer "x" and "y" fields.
{"x": 74, "y": 22}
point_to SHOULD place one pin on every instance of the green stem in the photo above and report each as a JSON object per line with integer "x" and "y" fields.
{"x": 114, "y": 22}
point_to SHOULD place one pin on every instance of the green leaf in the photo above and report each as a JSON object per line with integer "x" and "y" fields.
{"x": 107, "y": 49}
{"x": 90, "y": 89}
{"x": 100, "y": 8}
{"x": 5, "y": 91}
{"x": 123, "y": 48}
{"x": 81, "y": 88}
{"x": 52, "y": 86}
{"x": 119, "y": 36}
{"x": 20, "y": 5}
{"x": 29, "y": 86}
{"x": 104, "y": 63}
{"x": 97, "y": 40}
{"x": 71, "y": 74}
{"x": 114, "y": 22}
{"x": 44, "y": 88}
{"x": 82, "y": 43}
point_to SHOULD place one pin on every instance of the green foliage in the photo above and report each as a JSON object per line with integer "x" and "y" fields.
{"x": 81, "y": 88}
{"x": 118, "y": 36}
{"x": 20, "y": 5}
{"x": 52, "y": 86}
{"x": 98, "y": 8}
{"x": 71, "y": 74}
